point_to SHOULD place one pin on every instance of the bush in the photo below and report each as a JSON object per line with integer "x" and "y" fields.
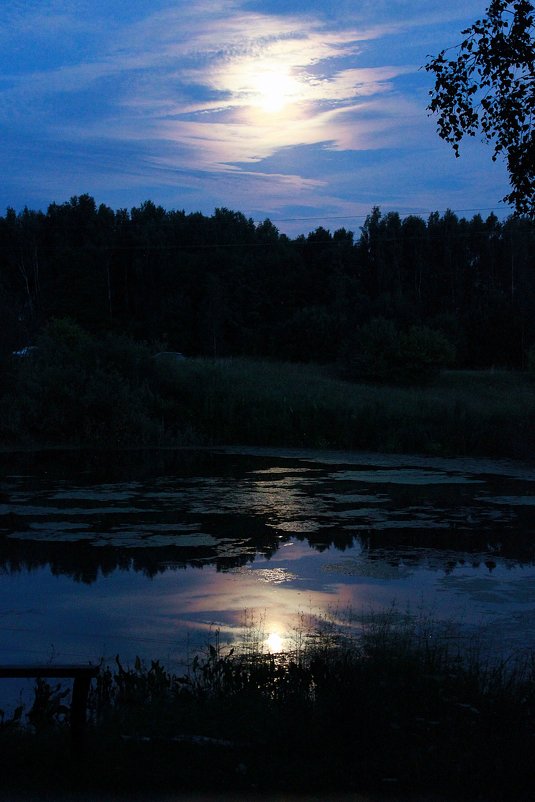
{"x": 381, "y": 353}
{"x": 531, "y": 362}
{"x": 78, "y": 388}
{"x": 424, "y": 352}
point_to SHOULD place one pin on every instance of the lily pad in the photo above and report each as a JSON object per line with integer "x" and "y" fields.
{"x": 28, "y": 510}
{"x": 56, "y": 526}
{"x": 362, "y": 512}
{"x": 145, "y": 539}
{"x": 89, "y": 494}
{"x": 280, "y": 471}
{"x": 53, "y": 536}
{"x": 373, "y": 569}
{"x": 355, "y": 498}
{"x": 512, "y": 501}
{"x": 405, "y": 476}
{"x": 296, "y": 526}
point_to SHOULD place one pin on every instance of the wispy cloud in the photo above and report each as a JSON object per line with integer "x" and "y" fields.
{"x": 208, "y": 88}
{"x": 209, "y": 93}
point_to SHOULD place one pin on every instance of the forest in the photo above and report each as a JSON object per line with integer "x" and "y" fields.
{"x": 325, "y": 340}
{"x": 224, "y": 286}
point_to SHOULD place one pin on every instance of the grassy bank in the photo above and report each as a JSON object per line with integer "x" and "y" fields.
{"x": 76, "y": 389}
{"x": 402, "y": 709}
{"x": 279, "y": 404}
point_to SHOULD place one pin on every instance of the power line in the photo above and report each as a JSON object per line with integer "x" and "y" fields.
{"x": 284, "y": 240}
{"x": 189, "y": 246}
{"x": 259, "y": 221}
{"x": 363, "y": 216}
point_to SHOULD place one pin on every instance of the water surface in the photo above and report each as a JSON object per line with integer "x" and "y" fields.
{"x": 150, "y": 552}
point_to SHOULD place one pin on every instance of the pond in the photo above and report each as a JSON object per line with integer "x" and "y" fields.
{"x": 151, "y": 552}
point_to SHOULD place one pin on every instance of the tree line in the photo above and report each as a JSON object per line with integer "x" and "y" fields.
{"x": 224, "y": 285}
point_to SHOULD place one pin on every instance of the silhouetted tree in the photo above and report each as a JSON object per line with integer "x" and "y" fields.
{"x": 224, "y": 285}
{"x": 488, "y": 85}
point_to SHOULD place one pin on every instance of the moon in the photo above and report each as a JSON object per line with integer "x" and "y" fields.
{"x": 273, "y": 89}
{"x": 274, "y": 642}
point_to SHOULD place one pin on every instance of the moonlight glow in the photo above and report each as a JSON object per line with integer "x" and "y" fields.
{"x": 274, "y": 642}
{"x": 288, "y": 111}
{"x": 273, "y": 89}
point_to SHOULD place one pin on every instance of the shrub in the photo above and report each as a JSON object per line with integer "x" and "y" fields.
{"x": 76, "y": 387}
{"x": 424, "y": 352}
{"x": 531, "y": 362}
{"x": 382, "y": 353}
{"x": 63, "y": 342}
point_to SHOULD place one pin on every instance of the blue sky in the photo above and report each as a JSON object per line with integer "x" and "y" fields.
{"x": 308, "y": 113}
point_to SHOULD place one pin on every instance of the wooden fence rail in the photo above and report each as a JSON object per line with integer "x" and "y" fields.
{"x": 82, "y": 676}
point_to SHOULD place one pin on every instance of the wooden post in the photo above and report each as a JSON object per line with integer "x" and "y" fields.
{"x": 80, "y": 691}
{"x": 82, "y": 676}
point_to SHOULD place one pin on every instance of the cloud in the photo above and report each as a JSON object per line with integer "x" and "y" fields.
{"x": 208, "y": 85}
{"x": 206, "y": 95}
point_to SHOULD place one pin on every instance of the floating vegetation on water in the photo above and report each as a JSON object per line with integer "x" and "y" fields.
{"x": 355, "y": 498}
{"x": 30, "y": 510}
{"x": 512, "y": 501}
{"x": 130, "y": 539}
{"x": 296, "y": 526}
{"x": 90, "y": 494}
{"x": 281, "y": 471}
{"x": 374, "y": 569}
{"x": 405, "y": 476}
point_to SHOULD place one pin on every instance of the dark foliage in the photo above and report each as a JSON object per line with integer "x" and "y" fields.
{"x": 403, "y": 708}
{"x": 488, "y": 86}
{"x": 75, "y": 386}
{"x": 382, "y": 353}
{"x": 223, "y": 286}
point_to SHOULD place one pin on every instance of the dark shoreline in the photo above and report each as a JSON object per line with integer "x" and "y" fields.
{"x": 204, "y": 403}
{"x": 390, "y": 714}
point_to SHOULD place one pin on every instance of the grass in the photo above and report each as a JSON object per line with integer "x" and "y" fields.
{"x": 249, "y": 402}
{"x": 137, "y": 401}
{"x": 400, "y": 707}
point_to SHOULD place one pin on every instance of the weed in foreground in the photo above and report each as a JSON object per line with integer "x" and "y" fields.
{"x": 399, "y": 699}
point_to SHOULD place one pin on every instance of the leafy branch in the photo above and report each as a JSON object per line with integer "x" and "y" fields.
{"x": 488, "y": 84}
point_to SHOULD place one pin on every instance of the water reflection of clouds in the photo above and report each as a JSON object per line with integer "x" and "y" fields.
{"x": 257, "y": 500}
{"x": 355, "y": 498}
{"x": 177, "y": 611}
{"x": 103, "y": 492}
{"x": 274, "y": 594}
{"x": 233, "y": 516}
{"x": 204, "y": 601}
{"x": 274, "y": 576}
{"x": 374, "y": 569}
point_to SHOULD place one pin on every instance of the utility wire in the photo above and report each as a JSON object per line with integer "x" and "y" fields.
{"x": 425, "y": 237}
{"x": 363, "y": 216}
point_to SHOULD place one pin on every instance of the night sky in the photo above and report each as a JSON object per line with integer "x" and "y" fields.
{"x": 308, "y": 113}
